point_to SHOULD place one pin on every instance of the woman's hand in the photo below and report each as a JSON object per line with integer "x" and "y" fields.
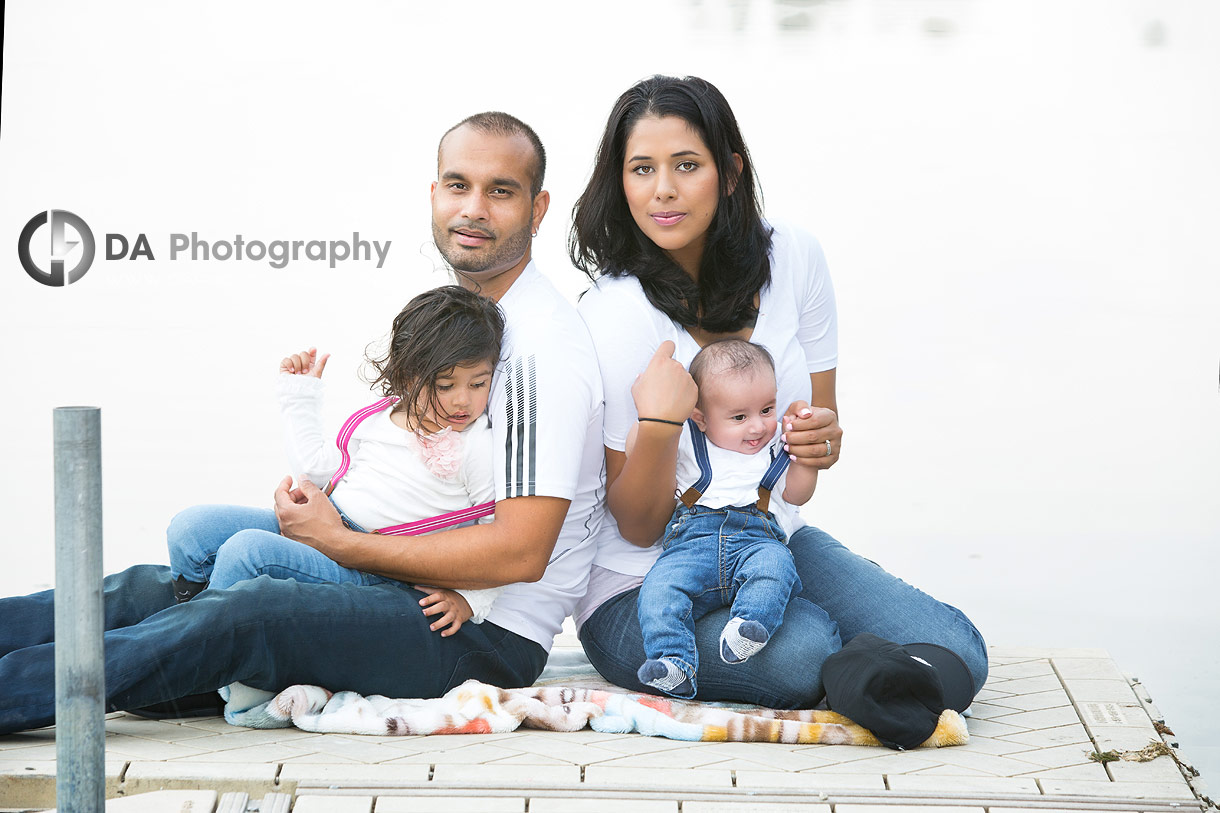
{"x": 640, "y": 484}
{"x": 664, "y": 390}
{"x": 450, "y": 605}
{"x": 305, "y": 363}
{"x": 812, "y": 435}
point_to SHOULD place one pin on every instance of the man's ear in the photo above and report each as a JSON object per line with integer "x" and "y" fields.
{"x": 542, "y": 202}
{"x": 736, "y": 175}
{"x": 700, "y": 420}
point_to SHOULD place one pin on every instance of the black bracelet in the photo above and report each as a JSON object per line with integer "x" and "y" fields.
{"x": 662, "y": 420}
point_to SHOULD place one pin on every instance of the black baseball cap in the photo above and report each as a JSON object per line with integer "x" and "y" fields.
{"x": 896, "y": 691}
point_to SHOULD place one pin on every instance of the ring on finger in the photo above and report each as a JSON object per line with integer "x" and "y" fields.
{"x": 829, "y": 449}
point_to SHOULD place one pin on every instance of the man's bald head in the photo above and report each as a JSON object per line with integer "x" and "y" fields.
{"x": 502, "y": 124}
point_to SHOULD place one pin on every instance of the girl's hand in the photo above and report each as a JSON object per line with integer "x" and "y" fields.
{"x": 664, "y": 390}
{"x": 450, "y": 605}
{"x": 806, "y": 433}
{"x": 305, "y": 363}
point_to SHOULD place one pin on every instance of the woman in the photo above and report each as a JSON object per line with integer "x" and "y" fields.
{"x": 670, "y": 229}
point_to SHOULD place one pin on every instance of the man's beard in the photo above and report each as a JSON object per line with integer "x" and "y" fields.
{"x": 503, "y": 253}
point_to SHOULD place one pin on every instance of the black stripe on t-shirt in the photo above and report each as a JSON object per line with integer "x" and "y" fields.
{"x": 519, "y": 426}
{"x": 533, "y": 412}
{"x": 509, "y": 405}
{"x": 520, "y": 441}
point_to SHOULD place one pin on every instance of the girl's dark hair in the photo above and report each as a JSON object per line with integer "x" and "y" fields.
{"x": 735, "y": 265}
{"x": 435, "y": 332}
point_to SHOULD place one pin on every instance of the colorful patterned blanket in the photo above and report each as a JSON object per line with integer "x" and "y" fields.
{"x": 477, "y": 708}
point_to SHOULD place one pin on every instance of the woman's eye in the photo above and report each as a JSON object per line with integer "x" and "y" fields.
{"x": 642, "y": 169}
{"x": 687, "y": 166}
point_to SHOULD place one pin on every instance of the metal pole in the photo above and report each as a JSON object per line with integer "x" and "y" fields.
{"x": 80, "y": 682}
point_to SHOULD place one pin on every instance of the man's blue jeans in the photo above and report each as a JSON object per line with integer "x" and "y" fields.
{"x": 225, "y": 544}
{"x": 711, "y": 558}
{"x": 842, "y": 596}
{"x": 267, "y": 633}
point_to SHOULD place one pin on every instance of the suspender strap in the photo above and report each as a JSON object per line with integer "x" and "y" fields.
{"x": 436, "y": 523}
{"x": 699, "y": 442}
{"x": 345, "y": 435}
{"x": 778, "y": 466}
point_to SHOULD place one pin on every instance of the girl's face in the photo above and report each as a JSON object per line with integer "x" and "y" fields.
{"x": 672, "y": 187}
{"x": 461, "y": 397}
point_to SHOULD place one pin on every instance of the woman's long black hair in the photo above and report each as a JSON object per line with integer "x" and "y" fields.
{"x": 735, "y": 264}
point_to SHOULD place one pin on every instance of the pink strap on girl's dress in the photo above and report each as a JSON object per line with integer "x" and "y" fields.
{"x": 348, "y": 429}
{"x": 421, "y": 526}
{"x": 436, "y": 523}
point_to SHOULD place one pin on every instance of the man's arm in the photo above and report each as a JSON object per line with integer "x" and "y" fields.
{"x": 514, "y": 548}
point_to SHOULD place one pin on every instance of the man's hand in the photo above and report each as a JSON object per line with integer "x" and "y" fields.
{"x": 450, "y": 605}
{"x": 305, "y": 363}
{"x": 306, "y": 515}
{"x": 664, "y": 390}
{"x": 806, "y": 432}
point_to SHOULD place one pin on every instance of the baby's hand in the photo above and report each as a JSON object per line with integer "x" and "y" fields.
{"x": 305, "y": 363}
{"x": 451, "y": 606}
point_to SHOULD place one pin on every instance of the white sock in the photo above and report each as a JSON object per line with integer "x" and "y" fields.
{"x": 664, "y": 675}
{"x": 741, "y": 639}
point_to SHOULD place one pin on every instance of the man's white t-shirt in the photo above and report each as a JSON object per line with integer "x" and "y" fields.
{"x": 546, "y": 419}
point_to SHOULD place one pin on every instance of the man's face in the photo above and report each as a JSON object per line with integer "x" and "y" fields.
{"x": 482, "y": 212}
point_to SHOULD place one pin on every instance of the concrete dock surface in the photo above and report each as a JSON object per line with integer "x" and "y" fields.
{"x": 1033, "y": 728}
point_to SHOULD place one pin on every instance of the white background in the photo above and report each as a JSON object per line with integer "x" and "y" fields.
{"x": 1018, "y": 202}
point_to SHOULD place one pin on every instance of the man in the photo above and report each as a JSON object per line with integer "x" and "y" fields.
{"x": 546, "y": 415}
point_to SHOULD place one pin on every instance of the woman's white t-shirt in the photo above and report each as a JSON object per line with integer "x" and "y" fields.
{"x": 796, "y": 323}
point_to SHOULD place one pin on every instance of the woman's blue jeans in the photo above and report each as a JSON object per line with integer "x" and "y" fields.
{"x": 267, "y": 633}
{"x": 225, "y": 544}
{"x": 843, "y": 595}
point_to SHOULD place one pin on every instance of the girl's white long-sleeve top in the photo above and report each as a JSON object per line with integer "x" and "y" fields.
{"x": 394, "y": 477}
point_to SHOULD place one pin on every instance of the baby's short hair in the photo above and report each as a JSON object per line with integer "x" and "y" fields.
{"x": 731, "y": 356}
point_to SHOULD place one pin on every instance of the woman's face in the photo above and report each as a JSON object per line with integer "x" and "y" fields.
{"x": 672, "y": 187}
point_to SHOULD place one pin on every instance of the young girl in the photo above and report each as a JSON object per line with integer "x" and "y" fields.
{"x": 416, "y": 461}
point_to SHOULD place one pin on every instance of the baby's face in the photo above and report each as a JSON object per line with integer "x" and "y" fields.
{"x": 737, "y": 410}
